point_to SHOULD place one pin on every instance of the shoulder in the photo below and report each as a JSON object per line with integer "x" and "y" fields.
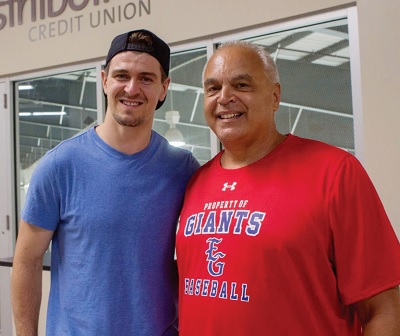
{"x": 73, "y": 143}
{"x": 316, "y": 158}
{"x": 316, "y": 145}
{"x": 67, "y": 152}
{"x": 208, "y": 171}
{"x": 314, "y": 152}
{"x": 176, "y": 156}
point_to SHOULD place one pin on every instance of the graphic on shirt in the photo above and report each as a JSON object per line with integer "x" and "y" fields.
{"x": 215, "y": 267}
{"x": 216, "y": 222}
{"x": 226, "y": 222}
{"x": 231, "y": 187}
{"x": 216, "y": 289}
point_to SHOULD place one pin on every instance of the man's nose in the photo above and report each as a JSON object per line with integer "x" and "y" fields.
{"x": 132, "y": 87}
{"x": 226, "y": 95}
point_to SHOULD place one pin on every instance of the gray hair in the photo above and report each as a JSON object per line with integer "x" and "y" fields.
{"x": 270, "y": 67}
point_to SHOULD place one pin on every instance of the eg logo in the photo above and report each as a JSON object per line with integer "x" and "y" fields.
{"x": 215, "y": 267}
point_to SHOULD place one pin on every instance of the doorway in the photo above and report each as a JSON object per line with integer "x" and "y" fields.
{"x": 6, "y": 221}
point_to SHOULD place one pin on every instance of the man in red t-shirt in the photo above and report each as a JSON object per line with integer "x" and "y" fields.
{"x": 279, "y": 235}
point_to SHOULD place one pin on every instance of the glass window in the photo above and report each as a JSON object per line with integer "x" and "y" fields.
{"x": 314, "y": 68}
{"x": 181, "y": 118}
{"x": 49, "y": 110}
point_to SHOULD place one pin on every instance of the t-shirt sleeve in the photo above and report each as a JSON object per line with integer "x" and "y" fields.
{"x": 42, "y": 205}
{"x": 194, "y": 164}
{"x": 367, "y": 251}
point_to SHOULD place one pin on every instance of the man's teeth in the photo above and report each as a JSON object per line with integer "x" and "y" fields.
{"x": 130, "y": 103}
{"x": 230, "y": 115}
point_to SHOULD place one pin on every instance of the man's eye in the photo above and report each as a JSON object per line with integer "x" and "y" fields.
{"x": 121, "y": 76}
{"x": 211, "y": 89}
{"x": 241, "y": 85}
{"x": 147, "y": 80}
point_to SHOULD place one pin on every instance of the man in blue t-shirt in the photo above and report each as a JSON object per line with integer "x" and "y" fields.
{"x": 109, "y": 200}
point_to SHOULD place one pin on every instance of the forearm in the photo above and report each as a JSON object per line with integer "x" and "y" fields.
{"x": 382, "y": 325}
{"x": 26, "y": 296}
{"x": 380, "y": 314}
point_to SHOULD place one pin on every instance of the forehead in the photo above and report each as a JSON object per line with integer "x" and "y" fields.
{"x": 234, "y": 61}
{"x": 136, "y": 60}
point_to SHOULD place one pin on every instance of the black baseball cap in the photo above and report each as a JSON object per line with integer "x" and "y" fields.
{"x": 158, "y": 49}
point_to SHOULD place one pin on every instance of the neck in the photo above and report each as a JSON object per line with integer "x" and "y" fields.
{"x": 127, "y": 140}
{"x": 237, "y": 156}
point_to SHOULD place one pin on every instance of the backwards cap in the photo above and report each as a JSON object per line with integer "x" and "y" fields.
{"x": 158, "y": 49}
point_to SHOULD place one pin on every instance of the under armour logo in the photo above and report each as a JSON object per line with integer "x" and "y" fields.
{"x": 230, "y": 186}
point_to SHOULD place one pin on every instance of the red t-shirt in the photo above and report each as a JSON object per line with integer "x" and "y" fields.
{"x": 282, "y": 246}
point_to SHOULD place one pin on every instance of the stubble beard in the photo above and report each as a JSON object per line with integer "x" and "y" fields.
{"x": 128, "y": 122}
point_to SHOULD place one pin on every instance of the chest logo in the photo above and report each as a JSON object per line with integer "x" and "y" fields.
{"x": 215, "y": 267}
{"x": 229, "y": 186}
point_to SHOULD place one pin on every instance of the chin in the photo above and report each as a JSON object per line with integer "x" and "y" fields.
{"x": 224, "y": 136}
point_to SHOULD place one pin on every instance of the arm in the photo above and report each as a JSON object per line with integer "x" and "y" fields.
{"x": 26, "y": 279}
{"x": 380, "y": 314}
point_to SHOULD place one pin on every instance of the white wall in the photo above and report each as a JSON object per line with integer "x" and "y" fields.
{"x": 380, "y": 86}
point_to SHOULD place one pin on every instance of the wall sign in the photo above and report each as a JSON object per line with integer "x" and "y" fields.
{"x": 38, "y": 14}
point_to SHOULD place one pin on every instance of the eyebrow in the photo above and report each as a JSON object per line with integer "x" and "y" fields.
{"x": 143, "y": 73}
{"x": 210, "y": 81}
{"x": 242, "y": 77}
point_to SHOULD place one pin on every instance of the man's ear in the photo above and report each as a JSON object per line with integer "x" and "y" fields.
{"x": 104, "y": 81}
{"x": 277, "y": 95}
{"x": 163, "y": 93}
{"x": 165, "y": 89}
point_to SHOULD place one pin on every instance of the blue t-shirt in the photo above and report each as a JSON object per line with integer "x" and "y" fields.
{"x": 114, "y": 217}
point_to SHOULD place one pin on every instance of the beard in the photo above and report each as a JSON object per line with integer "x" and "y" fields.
{"x": 128, "y": 121}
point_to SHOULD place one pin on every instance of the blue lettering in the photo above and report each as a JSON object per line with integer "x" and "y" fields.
{"x": 198, "y": 286}
{"x": 200, "y": 217}
{"x": 206, "y": 283}
{"x": 244, "y": 297}
{"x": 191, "y": 287}
{"x": 209, "y": 227}
{"x": 223, "y": 291}
{"x": 214, "y": 287}
{"x": 255, "y": 222}
{"x": 234, "y": 296}
{"x": 186, "y": 285}
{"x": 215, "y": 268}
{"x": 190, "y": 225}
{"x": 225, "y": 221}
{"x": 240, "y": 216}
